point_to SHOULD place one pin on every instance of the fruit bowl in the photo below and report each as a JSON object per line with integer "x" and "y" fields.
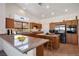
{"x": 21, "y": 38}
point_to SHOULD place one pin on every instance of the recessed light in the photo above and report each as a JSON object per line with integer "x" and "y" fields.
{"x": 24, "y": 8}
{"x": 47, "y": 6}
{"x": 52, "y": 13}
{"x": 43, "y": 15}
{"x": 66, "y": 10}
{"x": 21, "y": 11}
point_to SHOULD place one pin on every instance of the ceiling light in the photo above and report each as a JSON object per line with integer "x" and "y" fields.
{"x": 24, "y": 8}
{"x": 43, "y": 15}
{"x": 47, "y": 6}
{"x": 66, "y": 10}
{"x": 21, "y": 10}
{"x": 52, "y": 13}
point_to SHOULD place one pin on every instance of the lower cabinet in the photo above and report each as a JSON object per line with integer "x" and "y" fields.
{"x": 40, "y": 50}
{"x": 75, "y": 39}
{"x": 72, "y": 39}
{"x": 68, "y": 38}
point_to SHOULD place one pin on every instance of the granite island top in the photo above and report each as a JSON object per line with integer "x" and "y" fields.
{"x": 25, "y": 46}
{"x": 49, "y": 35}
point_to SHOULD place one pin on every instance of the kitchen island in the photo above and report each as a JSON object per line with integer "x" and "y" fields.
{"x": 54, "y": 39}
{"x": 30, "y": 46}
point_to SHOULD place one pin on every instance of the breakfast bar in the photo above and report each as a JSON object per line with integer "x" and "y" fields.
{"x": 54, "y": 39}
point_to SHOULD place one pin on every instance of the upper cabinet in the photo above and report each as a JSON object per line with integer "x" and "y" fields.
{"x": 52, "y": 25}
{"x": 25, "y": 25}
{"x": 68, "y": 23}
{"x": 74, "y": 22}
{"x": 17, "y": 24}
{"x": 71, "y": 22}
{"x": 9, "y": 23}
{"x": 39, "y": 26}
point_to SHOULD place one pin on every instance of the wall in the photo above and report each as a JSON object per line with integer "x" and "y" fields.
{"x": 2, "y": 22}
{"x": 2, "y": 18}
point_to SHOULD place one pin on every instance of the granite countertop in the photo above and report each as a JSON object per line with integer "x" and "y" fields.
{"x": 36, "y": 32}
{"x": 28, "y": 44}
{"x": 50, "y": 35}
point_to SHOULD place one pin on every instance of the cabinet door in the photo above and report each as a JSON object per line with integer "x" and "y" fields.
{"x": 39, "y": 26}
{"x": 25, "y": 25}
{"x": 55, "y": 42}
{"x": 52, "y": 25}
{"x": 68, "y": 38}
{"x": 17, "y": 24}
{"x": 74, "y": 22}
{"x": 68, "y": 23}
{"x": 9, "y": 23}
{"x": 74, "y": 39}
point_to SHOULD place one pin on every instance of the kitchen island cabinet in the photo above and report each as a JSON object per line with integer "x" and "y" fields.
{"x": 54, "y": 39}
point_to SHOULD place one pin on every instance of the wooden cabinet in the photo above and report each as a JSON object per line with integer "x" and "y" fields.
{"x": 25, "y": 25}
{"x": 21, "y": 26}
{"x": 68, "y": 38}
{"x": 68, "y": 23}
{"x": 72, "y": 39}
{"x": 52, "y": 25}
{"x": 71, "y": 22}
{"x": 56, "y": 42}
{"x": 74, "y": 22}
{"x": 39, "y": 26}
{"x": 17, "y": 25}
{"x": 75, "y": 39}
{"x": 9, "y": 23}
{"x": 40, "y": 50}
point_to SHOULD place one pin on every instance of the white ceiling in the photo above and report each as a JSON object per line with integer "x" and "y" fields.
{"x": 57, "y": 9}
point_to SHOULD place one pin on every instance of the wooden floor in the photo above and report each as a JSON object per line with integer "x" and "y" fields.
{"x": 64, "y": 50}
